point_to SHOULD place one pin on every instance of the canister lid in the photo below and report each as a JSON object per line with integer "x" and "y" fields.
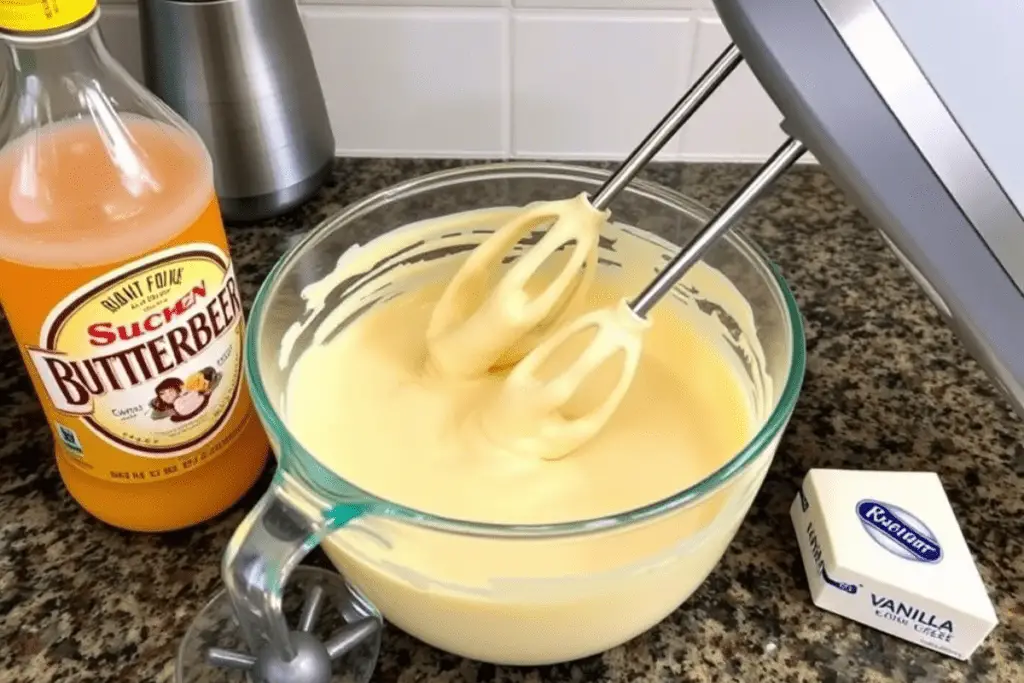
{"x": 38, "y": 16}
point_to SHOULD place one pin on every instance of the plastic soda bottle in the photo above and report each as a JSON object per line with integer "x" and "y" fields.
{"x": 116, "y": 279}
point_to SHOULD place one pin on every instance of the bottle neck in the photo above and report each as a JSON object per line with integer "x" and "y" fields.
{"x": 77, "y": 49}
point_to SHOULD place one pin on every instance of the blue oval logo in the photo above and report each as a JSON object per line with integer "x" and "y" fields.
{"x": 899, "y": 531}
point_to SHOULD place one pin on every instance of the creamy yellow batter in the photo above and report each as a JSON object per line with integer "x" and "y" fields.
{"x": 368, "y": 404}
{"x": 364, "y": 405}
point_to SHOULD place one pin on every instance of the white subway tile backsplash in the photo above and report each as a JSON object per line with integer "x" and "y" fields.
{"x": 556, "y": 4}
{"x": 410, "y": 3}
{"x": 739, "y": 122}
{"x": 569, "y": 79}
{"x": 408, "y": 82}
{"x": 610, "y": 4}
{"x": 590, "y": 85}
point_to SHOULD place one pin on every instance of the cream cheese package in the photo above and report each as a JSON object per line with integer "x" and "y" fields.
{"x": 885, "y": 549}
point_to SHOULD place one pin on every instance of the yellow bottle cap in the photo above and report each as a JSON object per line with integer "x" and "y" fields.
{"x": 32, "y": 16}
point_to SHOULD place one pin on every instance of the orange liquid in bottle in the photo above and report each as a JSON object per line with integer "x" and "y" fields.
{"x": 116, "y": 280}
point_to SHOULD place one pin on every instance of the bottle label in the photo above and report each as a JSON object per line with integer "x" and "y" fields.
{"x": 147, "y": 357}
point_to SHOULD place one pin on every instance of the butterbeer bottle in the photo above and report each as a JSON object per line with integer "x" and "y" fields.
{"x": 116, "y": 280}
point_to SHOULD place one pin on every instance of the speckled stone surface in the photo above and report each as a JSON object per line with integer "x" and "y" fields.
{"x": 887, "y": 386}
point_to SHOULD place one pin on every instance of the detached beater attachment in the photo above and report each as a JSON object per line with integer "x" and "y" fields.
{"x": 327, "y": 604}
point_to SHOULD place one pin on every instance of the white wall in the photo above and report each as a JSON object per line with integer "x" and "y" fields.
{"x": 566, "y": 79}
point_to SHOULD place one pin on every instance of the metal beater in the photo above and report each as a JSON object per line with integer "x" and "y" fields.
{"x": 613, "y": 340}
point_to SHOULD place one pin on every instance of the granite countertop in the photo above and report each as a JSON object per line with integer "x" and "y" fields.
{"x": 887, "y": 387}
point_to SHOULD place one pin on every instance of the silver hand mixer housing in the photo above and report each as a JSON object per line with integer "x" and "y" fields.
{"x": 922, "y": 134}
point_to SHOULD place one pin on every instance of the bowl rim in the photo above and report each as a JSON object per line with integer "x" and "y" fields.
{"x": 355, "y": 502}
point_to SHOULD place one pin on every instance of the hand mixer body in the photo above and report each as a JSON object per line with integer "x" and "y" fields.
{"x": 921, "y": 132}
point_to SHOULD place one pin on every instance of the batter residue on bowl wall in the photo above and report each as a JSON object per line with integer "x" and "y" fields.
{"x": 360, "y": 400}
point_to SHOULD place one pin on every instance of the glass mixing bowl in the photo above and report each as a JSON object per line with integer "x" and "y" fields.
{"x": 532, "y": 606}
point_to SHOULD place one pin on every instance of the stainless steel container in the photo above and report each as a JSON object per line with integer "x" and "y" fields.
{"x": 242, "y": 74}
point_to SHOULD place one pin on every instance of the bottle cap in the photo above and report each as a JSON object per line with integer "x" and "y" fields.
{"x": 37, "y": 16}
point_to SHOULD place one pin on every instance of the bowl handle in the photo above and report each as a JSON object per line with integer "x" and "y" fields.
{"x": 284, "y": 526}
{"x": 269, "y": 543}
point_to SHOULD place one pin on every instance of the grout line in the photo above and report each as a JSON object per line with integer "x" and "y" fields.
{"x": 693, "y": 69}
{"x": 674, "y": 5}
{"x": 508, "y": 122}
{"x": 610, "y": 14}
{"x": 700, "y": 158}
